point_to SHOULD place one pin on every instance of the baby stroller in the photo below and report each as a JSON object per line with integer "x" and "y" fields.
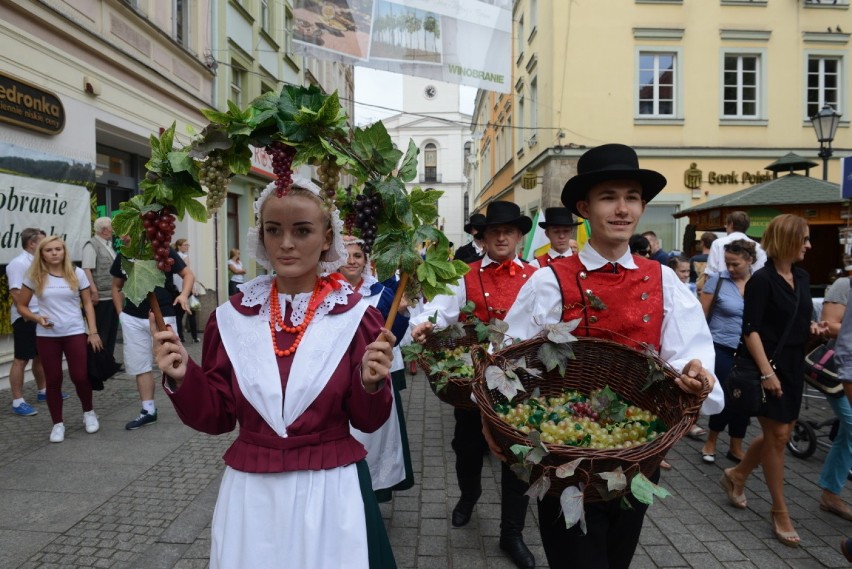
{"x": 809, "y": 434}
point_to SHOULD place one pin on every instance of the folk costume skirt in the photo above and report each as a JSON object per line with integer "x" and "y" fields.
{"x": 306, "y": 518}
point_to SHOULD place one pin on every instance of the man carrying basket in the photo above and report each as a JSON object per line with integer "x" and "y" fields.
{"x": 645, "y": 303}
{"x": 491, "y": 284}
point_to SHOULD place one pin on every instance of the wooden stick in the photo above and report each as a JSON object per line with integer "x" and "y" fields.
{"x": 400, "y": 290}
{"x": 158, "y": 319}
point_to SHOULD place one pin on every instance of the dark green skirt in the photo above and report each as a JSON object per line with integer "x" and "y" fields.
{"x": 378, "y": 544}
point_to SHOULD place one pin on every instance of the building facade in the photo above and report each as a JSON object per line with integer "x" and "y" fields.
{"x": 707, "y": 91}
{"x": 430, "y": 117}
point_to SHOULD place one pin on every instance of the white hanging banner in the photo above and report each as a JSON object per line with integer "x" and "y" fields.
{"x": 58, "y": 209}
{"x": 457, "y": 41}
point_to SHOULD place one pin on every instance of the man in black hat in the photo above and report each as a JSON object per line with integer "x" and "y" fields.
{"x": 643, "y": 302}
{"x": 491, "y": 284}
{"x": 559, "y": 227}
{"x": 473, "y": 251}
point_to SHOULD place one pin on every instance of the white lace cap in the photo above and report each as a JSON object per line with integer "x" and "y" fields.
{"x": 331, "y": 259}
{"x": 367, "y": 272}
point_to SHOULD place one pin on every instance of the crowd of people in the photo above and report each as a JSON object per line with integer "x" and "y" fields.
{"x": 299, "y": 360}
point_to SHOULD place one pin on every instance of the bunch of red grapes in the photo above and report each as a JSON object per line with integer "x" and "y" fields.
{"x": 159, "y": 228}
{"x": 282, "y": 162}
{"x": 583, "y": 409}
{"x": 368, "y": 206}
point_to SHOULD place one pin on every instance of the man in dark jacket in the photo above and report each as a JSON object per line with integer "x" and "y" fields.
{"x": 473, "y": 251}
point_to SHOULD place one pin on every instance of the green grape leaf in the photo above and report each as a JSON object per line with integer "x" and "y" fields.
{"x": 615, "y": 480}
{"x": 214, "y": 137}
{"x": 560, "y": 333}
{"x": 374, "y": 147}
{"x": 181, "y": 162}
{"x": 434, "y": 318}
{"x": 468, "y": 308}
{"x": 571, "y": 501}
{"x": 655, "y": 375}
{"x": 411, "y": 351}
{"x": 424, "y": 205}
{"x": 127, "y": 220}
{"x": 644, "y": 490}
{"x": 392, "y": 251}
{"x": 408, "y": 168}
{"x": 504, "y": 381}
{"x": 142, "y": 277}
{"x": 520, "y": 451}
{"x": 195, "y": 209}
{"x": 481, "y": 331}
{"x": 539, "y": 488}
{"x": 429, "y": 233}
{"x": 568, "y": 469}
{"x": 539, "y": 451}
{"x": 215, "y": 116}
{"x": 238, "y": 161}
{"x": 497, "y": 332}
{"x": 555, "y": 355}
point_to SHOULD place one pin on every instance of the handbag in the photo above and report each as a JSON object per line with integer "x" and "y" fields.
{"x": 194, "y": 303}
{"x": 100, "y": 366}
{"x": 198, "y": 289}
{"x": 821, "y": 370}
{"x": 713, "y": 300}
{"x": 744, "y": 392}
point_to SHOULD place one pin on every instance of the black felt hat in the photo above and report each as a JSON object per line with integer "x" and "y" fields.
{"x": 558, "y": 216}
{"x": 507, "y": 213}
{"x": 609, "y": 162}
{"x": 476, "y": 220}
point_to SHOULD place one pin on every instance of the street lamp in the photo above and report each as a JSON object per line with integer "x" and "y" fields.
{"x": 825, "y": 124}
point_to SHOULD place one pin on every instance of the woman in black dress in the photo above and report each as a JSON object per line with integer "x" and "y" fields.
{"x": 775, "y": 296}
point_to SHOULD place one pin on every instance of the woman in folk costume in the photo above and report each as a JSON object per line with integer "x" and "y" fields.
{"x": 293, "y": 358}
{"x": 388, "y": 455}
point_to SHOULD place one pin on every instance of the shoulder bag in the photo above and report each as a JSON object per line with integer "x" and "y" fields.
{"x": 744, "y": 393}
{"x": 713, "y": 300}
{"x": 821, "y": 370}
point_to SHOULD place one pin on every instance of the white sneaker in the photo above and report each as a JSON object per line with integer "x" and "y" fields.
{"x": 91, "y": 422}
{"x": 57, "y": 435}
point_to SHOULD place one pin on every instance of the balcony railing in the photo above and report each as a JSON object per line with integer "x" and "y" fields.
{"x": 430, "y": 179}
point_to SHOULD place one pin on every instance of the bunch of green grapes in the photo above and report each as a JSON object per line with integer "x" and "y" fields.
{"x": 215, "y": 176}
{"x": 455, "y": 355}
{"x": 328, "y": 173}
{"x": 569, "y": 420}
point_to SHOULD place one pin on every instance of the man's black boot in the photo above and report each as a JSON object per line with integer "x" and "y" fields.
{"x": 518, "y": 551}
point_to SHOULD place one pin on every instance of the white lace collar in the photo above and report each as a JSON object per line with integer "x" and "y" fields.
{"x": 256, "y": 293}
{"x": 366, "y": 284}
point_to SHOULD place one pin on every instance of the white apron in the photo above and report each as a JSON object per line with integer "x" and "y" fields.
{"x": 384, "y": 446}
{"x": 288, "y": 519}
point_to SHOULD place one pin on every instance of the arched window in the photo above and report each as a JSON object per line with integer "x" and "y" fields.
{"x": 430, "y": 162}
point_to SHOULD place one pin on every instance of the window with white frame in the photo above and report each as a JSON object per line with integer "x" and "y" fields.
{"x": 238, "y": 80}
{"x": 741, "y": 86}
{"x": 181, "y": 18}
{"x": 823, "y": 83}
{"x": 657, "y": 82}
{"x": 264, "y": 15}
{"x": 430, "y": 163}
{"x": 519, "y": 125}
{"x": 520, "y": 40}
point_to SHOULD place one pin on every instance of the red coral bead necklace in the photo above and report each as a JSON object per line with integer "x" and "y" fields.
{"x": 318, "y": 295}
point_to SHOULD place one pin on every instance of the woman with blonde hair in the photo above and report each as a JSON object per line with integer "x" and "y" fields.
{"x": 59, "y": 287}
{"x": 775, "y": 296}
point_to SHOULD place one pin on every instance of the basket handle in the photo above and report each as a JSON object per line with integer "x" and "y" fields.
{"x": 481, "y": 360}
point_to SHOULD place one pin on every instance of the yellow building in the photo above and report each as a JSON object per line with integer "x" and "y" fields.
{"x": 708, "y": 91}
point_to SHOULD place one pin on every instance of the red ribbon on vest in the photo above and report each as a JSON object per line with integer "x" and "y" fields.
{"x": 509, "y": 265}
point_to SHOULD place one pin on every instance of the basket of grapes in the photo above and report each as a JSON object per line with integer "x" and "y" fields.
{"x": 582, "y": 418}
{"x": 446, "y": 359}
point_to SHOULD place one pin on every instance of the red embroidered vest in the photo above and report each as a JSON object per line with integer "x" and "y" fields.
{"x": 633, "y": 299}
{"x": 545, "y": 260}
{"x": 492, "y": 291}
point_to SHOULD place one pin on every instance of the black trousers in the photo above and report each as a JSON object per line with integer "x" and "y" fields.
{"x": 611, "y": 538}
{"x": 106, "y": 321}
{"x": 470, "y": 447}
{"x": 191, "y": 320}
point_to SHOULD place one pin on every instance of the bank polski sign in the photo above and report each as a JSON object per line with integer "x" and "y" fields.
{"x": 58, "y": 209}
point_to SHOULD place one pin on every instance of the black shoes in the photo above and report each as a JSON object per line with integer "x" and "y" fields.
{"x": 518, "y": 551}
{"x": 462, "y": 513}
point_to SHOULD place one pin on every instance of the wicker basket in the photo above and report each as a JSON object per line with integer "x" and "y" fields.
{"x": 598, "y": 363}
{"x": 457, "y": 390}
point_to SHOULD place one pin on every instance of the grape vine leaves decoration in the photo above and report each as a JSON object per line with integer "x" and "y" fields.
{"x": 299, "y": 125}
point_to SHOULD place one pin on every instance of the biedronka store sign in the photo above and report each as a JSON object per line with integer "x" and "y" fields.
{"x": 57, "y": 208}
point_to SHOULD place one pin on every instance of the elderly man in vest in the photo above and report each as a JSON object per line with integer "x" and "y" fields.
{"x": 98, "y": 256}
{"x": 491, "y": 284}
{"x": 559, "y": 227}
{"x": 643, "y": 302}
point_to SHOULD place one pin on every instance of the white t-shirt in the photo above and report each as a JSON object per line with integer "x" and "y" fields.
{"x": 238, "y": 266}
{"x": 59, "y": 302}
{"x": 15, "y": 272}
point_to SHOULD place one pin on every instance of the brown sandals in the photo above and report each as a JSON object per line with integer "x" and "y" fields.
{"x": 736, "y": 500}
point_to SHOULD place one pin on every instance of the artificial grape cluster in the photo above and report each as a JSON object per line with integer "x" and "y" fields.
{"x": 457, "y": 362}
{"x": 329, "y": 176}
{"x": 213, "y": 174}
{"x": 159, "y": 228}
{"x": 282, "y": 166}
{"x": 569, "y": 420}
{"x": 368, "y": 206}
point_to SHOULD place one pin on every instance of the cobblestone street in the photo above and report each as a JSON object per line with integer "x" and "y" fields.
{"x": 144, "y": 499}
